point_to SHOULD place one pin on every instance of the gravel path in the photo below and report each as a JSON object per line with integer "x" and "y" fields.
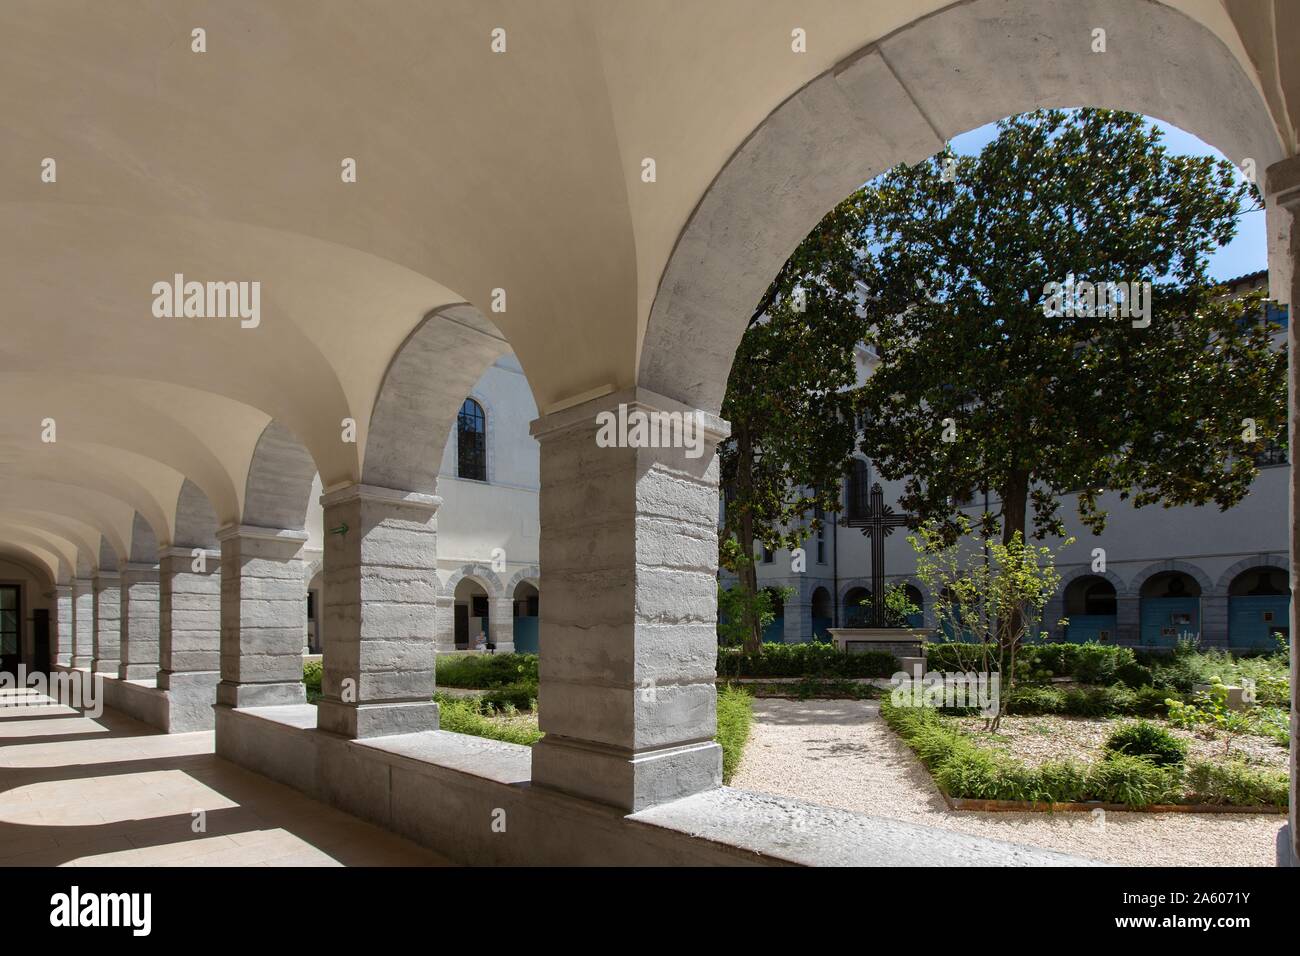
{"x": 840, "y": 753}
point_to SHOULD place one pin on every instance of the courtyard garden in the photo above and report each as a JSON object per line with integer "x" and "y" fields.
{"x": 495, "y": 696}
{"x": 1095, "y": 723}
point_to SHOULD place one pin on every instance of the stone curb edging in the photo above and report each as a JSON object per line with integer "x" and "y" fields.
{"x": 1008, "y": 806}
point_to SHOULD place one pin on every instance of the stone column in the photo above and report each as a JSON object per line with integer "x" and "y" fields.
{"x": 189, "y": 635}
{"x": 1128, "y": 622}
{"x": 108, "y": 623}
{"x": 1214, "y": 620}
{"x": 1283, "y": 203}
{"x": 65, "y": 628}
{"x": 263, "y": 615}
{"x": 629, "y": 546}
{"x": 501, "y": 624}
{"x": 83, "y": 622}
{"x": 445, "y": 623}
{"x": 380, "y": 596}
{"x": 796, "y": 627}
{"x": 139, "y": 622}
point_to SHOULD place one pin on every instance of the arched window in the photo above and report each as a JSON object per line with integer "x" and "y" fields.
{"x": 858, "y": 490}
{"x": 471, "y": 442}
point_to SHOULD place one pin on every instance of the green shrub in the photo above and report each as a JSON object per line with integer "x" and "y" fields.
{"x": 1144, "y": 739}
{"x": 1100, "y": 663}
{"x": 1237, "y": 784}
{"x": 1134, "y": 675}
{"x": 735, "y": 715}
{"x": 1036, "y": 700}
{"x": 814, "y": 659}
{"x": 468, "y": 715}
{"x": 521, "y": 695}
{"x": 1132, "y": 781}
{"x": 311, "y": 678}
{"x": 481, "y": 671}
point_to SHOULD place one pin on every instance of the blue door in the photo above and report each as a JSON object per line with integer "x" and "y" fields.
{"x": 1252, "y": 619}
{"x": 821, "y": 628}
{"x": 774, "y": 631}
{"x": 526, "y": 635}
{"x": 1085, "y": 628}
{"x": 1166, "y": 620}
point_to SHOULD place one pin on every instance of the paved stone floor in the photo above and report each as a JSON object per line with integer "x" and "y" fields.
{"x": 839, "y": 753}
{"x": 114, "y": 792}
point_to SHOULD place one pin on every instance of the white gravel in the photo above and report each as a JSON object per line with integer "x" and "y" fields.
{"x": 839, "y": 753}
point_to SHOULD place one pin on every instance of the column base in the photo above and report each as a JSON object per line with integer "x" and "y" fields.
{"x": 625, "y": 779}
{"x": 80, "y": 663}
{"x": 261, "y": 695}
{"x": 138, "y": 671}
{"x": 191, "y": 696}
{"x": 63, "y": 660}
{"x": 107, "y": 668}
{"x": 360, "y": 721}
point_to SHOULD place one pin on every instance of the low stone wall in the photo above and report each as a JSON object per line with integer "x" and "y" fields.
{"x": 472, "y": 800}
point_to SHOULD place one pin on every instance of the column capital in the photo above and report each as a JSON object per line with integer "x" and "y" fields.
{"x": 230, "y": 531}
{"x": 376, "y": 493}
{"x": 136, "y": 568}
{"x": 1282, "y": 182}
{"x": 107, "y": 578}
{"x": 60, "y": 590}
{"x": 623, "y": 404}
{"x": 180, "y": 551}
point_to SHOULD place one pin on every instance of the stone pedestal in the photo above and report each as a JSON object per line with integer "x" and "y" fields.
{"x": 263, "y": 616}
{"x": 107, "y": 658}
{"x": 139, "y": 622}
{"x": 83, "y": 622}
{"x": 629, "y": 549}
{"x": 64, "y": 624}
{"x": 903, "y": 642}
{"x": 380, "y": 595}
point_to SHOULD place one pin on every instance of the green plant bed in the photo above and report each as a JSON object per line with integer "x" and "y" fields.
{"x": 966, "y": 768}
{"x": 476, "y": 717}
{"x": 735, "y": 716}
{"x": 482, "y": 671}
{"x": 814, "y": 659}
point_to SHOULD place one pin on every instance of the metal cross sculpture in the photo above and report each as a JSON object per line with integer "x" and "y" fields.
{"x": 877, "y": 522}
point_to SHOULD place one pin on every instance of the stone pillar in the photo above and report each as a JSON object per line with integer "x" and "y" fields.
{"x": 501, "y": 624}
{"x": 1214, "y": 620}
{"x": 796, "y": 627}
{"x": 380, "y": 597}
{"x": 108, "y": 623}
{"x": 139, "y": 622}
{"x": 629, "y": 547}
{"x": 65, "y": 628}
{"x": 83, "y": 622}
{"x": 189, "y": 636}
{"x": 263, "y": 615}
{"x": 445, "y": 624}
{"x": 1128, "y": 621}
{"x": 1283, "y": 203}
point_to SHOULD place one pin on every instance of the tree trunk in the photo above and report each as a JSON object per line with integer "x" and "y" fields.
{"x": 748, "y": 571}
{"x": 1015, "y": 508}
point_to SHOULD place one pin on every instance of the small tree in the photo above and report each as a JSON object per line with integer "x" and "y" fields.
{"x": 898, "y": 606}
{"x": 993, "y": 591}
{"x": 743, "y": 613}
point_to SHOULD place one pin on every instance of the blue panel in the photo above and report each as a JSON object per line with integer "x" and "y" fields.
{"x": 1084, "y": 628}
{"x": 916, "y": 620}
{"x": 526, "y": 635}
{"x": 1160, "y": 615}
{"x": 1248, "y": 624}
{"x": 820, "y": 627}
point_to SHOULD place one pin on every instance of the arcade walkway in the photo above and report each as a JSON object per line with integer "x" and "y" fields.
{"x": 114, "y": 792}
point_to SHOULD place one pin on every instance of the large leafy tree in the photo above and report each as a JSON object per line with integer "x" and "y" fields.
{"x": 790, "y": 403}
{"x": 979, "y": 388}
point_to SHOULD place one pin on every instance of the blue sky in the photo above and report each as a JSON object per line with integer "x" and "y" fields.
{"x": 1248, "y": 252}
